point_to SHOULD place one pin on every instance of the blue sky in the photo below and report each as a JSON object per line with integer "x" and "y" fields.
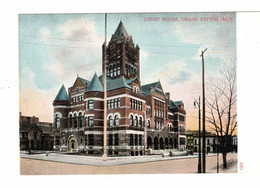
{"x": 53, "y": 49}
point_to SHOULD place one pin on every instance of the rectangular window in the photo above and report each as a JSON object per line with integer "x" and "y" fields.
{"x": 116, "y": 139}
{"x": 112, "y": 103}
{"x": 118, "y": 102}
{"x": 110, "y": 139}
{"x": 136, "y": 140}
{"x": 108, "y": 104}
{"x": 131, "y": 139}
{"x": 208, "y": 141}
{"x": 131, "y": 103}
{"x": 138, "y": 105}
{"x": 90, "y": 104}
{"x": 140, "y": 140}
{"x": 91, "y": 121}
{"x": 182, "y": 118}
{"x": 141, "y": 107}
{"x": 115, "y": 101}
{"x": 91, "y": 140}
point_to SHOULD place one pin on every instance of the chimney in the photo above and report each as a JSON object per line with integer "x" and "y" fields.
{"x": 167, "y": 97}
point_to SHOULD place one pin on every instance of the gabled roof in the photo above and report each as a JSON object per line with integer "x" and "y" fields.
{"x": 178, "y": 102}
{"x": 95, "y": 84}
{"x": 173, "y": 105}
{"x": 62, "y": 95}
{"x": 131, "y": 80}
{"x": 146, "y": 89}
{"x": 116, "y": 83}
{"x": 84, "y": 81}
{"x": 120, "y": 31}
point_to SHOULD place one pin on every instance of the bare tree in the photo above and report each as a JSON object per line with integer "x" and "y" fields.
{"x": 221, "y": 103}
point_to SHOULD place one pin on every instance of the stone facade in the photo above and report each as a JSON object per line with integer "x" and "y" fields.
{"x": 139, "y": 117}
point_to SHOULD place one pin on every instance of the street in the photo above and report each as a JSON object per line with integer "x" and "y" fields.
{"x": 39, "y": 167}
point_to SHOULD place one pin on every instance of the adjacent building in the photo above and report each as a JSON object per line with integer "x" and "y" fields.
{"x": 35, "y": 135}
{"x": 139, "y": 117}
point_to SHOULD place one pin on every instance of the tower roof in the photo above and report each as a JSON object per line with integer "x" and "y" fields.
{"x": 62, "y": 95}
{"x": 120, "y": 31}
{"x": 95, "y": 84}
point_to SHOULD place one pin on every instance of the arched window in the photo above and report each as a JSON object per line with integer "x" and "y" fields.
{"x": 136, "y": 121}
{"x": 114, "y": 70}
{"x": 70, "y": 120}
{"x": 148, "y": 123}
{"x": 57, "y": 121}
{"x": 110, "y": 121}
{"x": 116, "y": 120}
{"x": 131, "y": 120}
{"x": 118, "y": 69}
{"x": 80, "y": 119}
{"x": 75, "y": 120}
{"x": 140, "y": 121}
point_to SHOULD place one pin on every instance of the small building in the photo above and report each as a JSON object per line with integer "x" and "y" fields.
{"x": 35, "y": 135}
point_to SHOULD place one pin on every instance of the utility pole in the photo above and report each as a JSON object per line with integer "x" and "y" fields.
{"x": 199, "y": 162}
{"x": 105, "y": 93}
{"x": 203, "y": 115}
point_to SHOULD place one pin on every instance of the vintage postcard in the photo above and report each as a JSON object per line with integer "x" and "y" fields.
{"x": 139, "y": 93}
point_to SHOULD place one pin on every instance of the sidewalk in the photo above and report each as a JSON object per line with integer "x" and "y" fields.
{"x": 98, "y": 161}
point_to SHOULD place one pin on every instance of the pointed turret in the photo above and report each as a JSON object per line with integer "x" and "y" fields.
{"x": 95, "y": 84}
{"x": 62, "y": 95}
{"x": 120, "y": 31}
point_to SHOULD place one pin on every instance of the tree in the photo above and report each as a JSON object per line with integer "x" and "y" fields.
{"x": 221, "y": 103}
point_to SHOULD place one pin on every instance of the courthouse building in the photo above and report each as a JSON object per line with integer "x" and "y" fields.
{"x": 139, "y": 117}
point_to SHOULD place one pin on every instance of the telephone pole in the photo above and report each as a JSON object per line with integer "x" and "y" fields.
{"x": 203, "y": 115}
{"x": 199, "y": 158}
{"x": 105, "y": 93}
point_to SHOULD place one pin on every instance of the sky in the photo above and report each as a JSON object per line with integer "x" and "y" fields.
{"x": 54, "y": 48}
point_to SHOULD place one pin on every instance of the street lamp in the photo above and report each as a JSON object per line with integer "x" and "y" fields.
{"x": 196, "y": 103}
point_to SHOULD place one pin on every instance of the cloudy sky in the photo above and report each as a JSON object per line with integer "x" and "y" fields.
{"x": 54, "y": 48}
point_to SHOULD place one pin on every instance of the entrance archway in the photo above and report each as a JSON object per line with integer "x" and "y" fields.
{"x": 149, "y": 142}
{"x": 155, "y": 143}
{"x": 73, "y": 144}
{"x": 161, "y": 143}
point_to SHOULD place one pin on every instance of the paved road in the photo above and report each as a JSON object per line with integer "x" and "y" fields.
{"x": 38, "y": 167}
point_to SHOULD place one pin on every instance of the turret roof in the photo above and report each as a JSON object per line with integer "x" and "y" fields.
{"x": 95, "y": 84}
{"x": 62, "y": 95}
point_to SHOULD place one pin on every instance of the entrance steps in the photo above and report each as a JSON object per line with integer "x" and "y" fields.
{"x": 168, "y": 152}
